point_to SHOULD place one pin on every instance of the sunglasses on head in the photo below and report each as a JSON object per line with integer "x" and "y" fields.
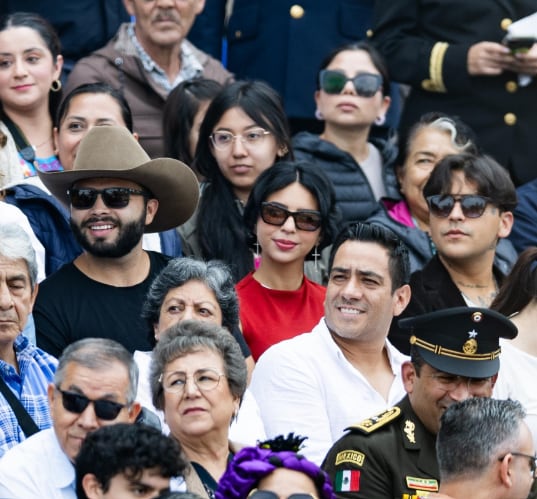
{"x": 472, "y": 205}
{"x": 274, "y": 214}
{"x": 77, "y": 403}
{"x": 113, "y": 197}
{"x": 365, "y": 84}
{"x": 268, "y": 494}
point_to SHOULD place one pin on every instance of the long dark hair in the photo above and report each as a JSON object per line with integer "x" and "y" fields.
{"x": 220, "y": 226}
{"x": 285, "y": 173}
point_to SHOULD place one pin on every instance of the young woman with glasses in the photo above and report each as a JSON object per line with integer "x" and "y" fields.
{"x": 291, "y": 215}
{"x": 352, "y": 96}
{"x": 244, "y": 132}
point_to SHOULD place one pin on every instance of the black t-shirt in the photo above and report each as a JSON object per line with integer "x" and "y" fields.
{"x": 71, "y": 306}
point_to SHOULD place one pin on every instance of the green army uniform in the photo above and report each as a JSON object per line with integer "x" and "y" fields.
{"x": 388, "y": 456}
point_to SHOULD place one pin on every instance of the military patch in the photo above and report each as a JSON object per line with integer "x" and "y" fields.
{"x": 409, "y": 431}
{"x": 376, "y": 422}
{"x": 347, "y": 481}
{"x": 428, "y": 484}
{"x": 350, "y": 456}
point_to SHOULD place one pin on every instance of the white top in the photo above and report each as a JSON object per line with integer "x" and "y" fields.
{"x": 36, "y": 469}
{"x": 306, "y": 385}
{"x": 516, "y": 380}
{"x": 10, "y": 214}
{"x": 247, "y": 429}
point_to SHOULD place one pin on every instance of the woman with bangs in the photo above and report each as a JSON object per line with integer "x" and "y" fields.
{"x": 291, "y": 215}
{"x": 244, "y": 132}
{"x": 352, "y": 96}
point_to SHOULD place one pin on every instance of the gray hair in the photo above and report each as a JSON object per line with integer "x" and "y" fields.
{"x": 214, "y": 274}
{"x": 15, "y": 244}
{"x": 188, "y": 337}
{"x": 97, "y": 354}
{"x": 474, "y": 433}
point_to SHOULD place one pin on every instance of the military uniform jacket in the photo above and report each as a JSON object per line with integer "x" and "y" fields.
{"x": 426, "y": 42}
{"x": 388, "y": 456}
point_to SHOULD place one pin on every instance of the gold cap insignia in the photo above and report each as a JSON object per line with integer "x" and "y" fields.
{"x": 470, "y": 346}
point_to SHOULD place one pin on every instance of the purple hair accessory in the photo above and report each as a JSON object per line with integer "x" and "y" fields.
{"x": 251, "y": 464}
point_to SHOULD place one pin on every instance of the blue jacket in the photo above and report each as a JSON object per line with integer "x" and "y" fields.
{"x": 354, "y": 195}
{"x": 524, "y": 231}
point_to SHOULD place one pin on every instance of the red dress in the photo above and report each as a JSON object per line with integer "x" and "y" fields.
{"x": 269, "y": 316}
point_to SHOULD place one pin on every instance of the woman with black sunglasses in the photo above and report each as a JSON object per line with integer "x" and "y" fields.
{"x": 291, "y": 215}
{"x": 352, "y": 96}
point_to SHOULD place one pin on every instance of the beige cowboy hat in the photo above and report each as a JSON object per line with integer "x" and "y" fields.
{"x": 112, "y": 151}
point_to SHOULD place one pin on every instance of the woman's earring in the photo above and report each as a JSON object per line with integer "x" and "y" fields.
{"x": 56, "y": 86}
{"x": 380, "y": 120}
{"x": 319, "y": 115}
{"x": 257, "y": 256}
{"x": 315, "y": 255}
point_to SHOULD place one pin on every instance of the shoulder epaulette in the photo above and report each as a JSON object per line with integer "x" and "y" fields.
{"x": 374, "y": 423}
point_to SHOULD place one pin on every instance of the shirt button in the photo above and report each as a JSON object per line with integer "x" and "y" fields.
{"x": 506, "y": 22}
{"x": 238, "y": 34}
{"x": 511, "y": 87}
{"x": 369, "y": 33}
{"x": 510, "y": 119}
{"x": 296, "y": 11}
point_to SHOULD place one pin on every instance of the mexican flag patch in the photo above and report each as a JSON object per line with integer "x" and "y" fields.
{"x": 347, "y": 481}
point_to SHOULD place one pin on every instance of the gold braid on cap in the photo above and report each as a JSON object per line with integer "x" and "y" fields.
{"x": 440, "y": 350}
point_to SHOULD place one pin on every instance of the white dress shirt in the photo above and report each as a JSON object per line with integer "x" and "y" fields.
{"x": 306, "y": 385}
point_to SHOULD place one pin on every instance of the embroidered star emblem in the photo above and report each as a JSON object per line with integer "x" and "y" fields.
{"x": 472, "y": 333}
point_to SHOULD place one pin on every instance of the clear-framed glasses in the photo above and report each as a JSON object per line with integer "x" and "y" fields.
{"x": 205, "y": 379}
{"x": 223, "y": 140}
{"x": 268, "y": 494}
{"x": 365, "y": 84}
{"x": 532, "y": 461}
{"x": 472, "y": 205}
{"x": 450, "y": 382}
{"x": 274, "y": 214}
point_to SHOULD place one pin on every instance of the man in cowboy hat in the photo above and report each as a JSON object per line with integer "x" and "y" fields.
{"x": 454, "y": 355}
{"x": 115, "y": 193}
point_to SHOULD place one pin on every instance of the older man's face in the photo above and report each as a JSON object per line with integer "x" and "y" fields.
{"x": 17, "y": 298}
{"x": 163, "y": 24}
{"x": 72, "y": 425}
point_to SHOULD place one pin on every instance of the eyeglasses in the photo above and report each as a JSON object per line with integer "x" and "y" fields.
{"x": 450, "y": 382}
{"x": 113, "y": 197}
{"x": 223, "y": 140}
{"x": 268, "y": 494}
{"x": 365, "y": 84}
{"x": 77, "y": 403}
{"x": 205, "y": 379}
{"x": 532, "y": 461}
{"x": 274, "y": 214}
{"x": 472, "y": 205}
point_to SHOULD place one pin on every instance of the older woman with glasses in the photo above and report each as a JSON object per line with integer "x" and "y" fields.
{"x": 291, "y": 216}
{"x": 274, "y": 469}
{"x": 198, "y": 378}
{"x": 244, "y": 132}
{"x": 192, "y": 289}
{"x": 352, "y": 96}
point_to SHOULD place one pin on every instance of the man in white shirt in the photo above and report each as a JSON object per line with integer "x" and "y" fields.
{"x": 319, "y": 383}
{"x": 94, "y": 385}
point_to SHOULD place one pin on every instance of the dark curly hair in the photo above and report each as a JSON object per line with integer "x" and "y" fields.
{"x": 252, "y": 464}
{"x": 127, "y": 449}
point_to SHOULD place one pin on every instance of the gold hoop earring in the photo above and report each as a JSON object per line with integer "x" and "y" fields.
{"x": 56, "y": 86}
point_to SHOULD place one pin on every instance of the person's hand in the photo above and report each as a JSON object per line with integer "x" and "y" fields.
{"x": 525, "y": 63}
{"x": 489, "y": 58}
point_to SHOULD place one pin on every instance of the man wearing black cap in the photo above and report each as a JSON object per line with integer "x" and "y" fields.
{"x": 454, "y": 356}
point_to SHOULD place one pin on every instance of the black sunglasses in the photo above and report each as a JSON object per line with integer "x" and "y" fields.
{"x": 472, "y": 205}
{"x": 113, "y": 197}
{"x": 274, "y": 214}
{"x": 268, "y": 494}
{"x": 365, "y": 84}
{"x": 77, "y": 403}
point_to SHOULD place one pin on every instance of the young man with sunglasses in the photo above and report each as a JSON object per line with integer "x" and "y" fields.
{"x": 115, "y": 193}
{"x": 470, "y": 201}
{"x": 94, "y": 385}
{"x": 454, "y": 356}
{"x": 502, "y": 463}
